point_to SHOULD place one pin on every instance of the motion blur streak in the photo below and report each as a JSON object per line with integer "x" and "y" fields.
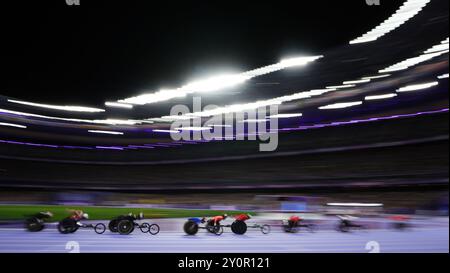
{"x": 408, "y": 10}
{"x": 217, "y": 82}
{"x": 379, "y": 97}
{"x": 106, "y": 121}
{"x": 105, "y": 132}
{"x": 340, "y": 105}
{"x": 119, "y": 105}
{"x": 12, "y": 125}
{"x": 58, "y": 107}
{"x": 415, "y": 87}
{"x": 417, "y": 60}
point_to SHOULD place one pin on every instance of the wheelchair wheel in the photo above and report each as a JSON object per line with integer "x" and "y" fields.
{"x": 265, "y": 229}
{"x": 211, "y": 228}
{"x": 190, "y": 228}
{"x": 239, "y": 227}
{"x": 67, "y": 226}
{"x": 34, "y": 225}
{"x": 342, "y": 228}
{"x": 153, "y": 229}
{"x": 214, "y": 229}
{"x": 74, "y": 228}
{"x": 62, "y": 229}
{"x": 112, "y": 226}
{"x": 144, "y": 227}
{"x": 100, "y": 228}
{"x": 125, "y": 227}
{"x": 218, "y": 230}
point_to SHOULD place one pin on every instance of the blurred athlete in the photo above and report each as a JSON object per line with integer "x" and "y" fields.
{"x": 242, "y": 217}
{"x": 78, "y": 215}
{"x": 347, "y": 221}
{"x": 399, "y": 221}
{"x": 137, "y": 216}
{"x": 217, "y": 219}
{"x": 294, "y": 221}
{"x": 43, "y": 215}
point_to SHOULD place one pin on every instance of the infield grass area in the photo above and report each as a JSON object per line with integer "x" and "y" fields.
{"x": 18, "y": 212}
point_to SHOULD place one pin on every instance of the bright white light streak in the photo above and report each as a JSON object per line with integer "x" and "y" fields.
{"x": 293, "y": 115}
{"x": 216, "y": 83}
{"x": 355, "y": 204}
{"x": 247, "y": 106}
{"x": 415, "y": 87}
{"x": 118, "y": 105}
{"x": 95, "y": 121}
{"x": 357, "y": 81}
{"x": 236, "y": 108}
{"x": 283, "y": 64}
{"x": 341, "y": 86}
{"x": 105, "y": 132}
{"x": 412, "y": 62}
{"x": 165, "y": 131}
{"x": 219, "y": 125}
{"x": 318, "y": 92}
{"x": 177, "y": 117}
{"x": 443, "y": 76}
{"x": 408, "y": 10}
{"x": 415, "y": 60}
{"x": 340, "y": 105}
{"x": 254, "y": 120}
{"x": 376, "y": 77}
{"x": 380, "y": 97}
{"x": 59, "y": 107}
{"x": 13, "y": 125}
{"x": 193, "y": 128}
{"x": 207, "y": 85}
{"x": 298, "y": 61}
{"x": 437, "y": 48}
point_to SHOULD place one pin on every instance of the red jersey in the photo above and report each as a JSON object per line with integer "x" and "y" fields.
{"x": 399, "y": 218}
{"x": 217, "y": 219}
{"x": 295, "y": 219}
{"x": 76, "y": 217}
{"x": 241, "y": 217}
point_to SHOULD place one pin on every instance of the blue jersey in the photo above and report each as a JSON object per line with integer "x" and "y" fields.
{"x": 195, "y": 220}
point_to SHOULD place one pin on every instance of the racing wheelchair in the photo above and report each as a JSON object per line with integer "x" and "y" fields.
{"x": 192, "y": 226}
{"x": 290, "y": 226}
{"x": 346, "y": 224}
{"x": 125, "y": 224}
{"x": 71, "y": 225}
{"x": 36, "y": 222}
{"x": 240, "y": 227}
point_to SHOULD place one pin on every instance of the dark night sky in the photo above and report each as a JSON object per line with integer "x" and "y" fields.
{"x": 54, "y": 53}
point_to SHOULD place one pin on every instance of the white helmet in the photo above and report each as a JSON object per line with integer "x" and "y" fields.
{"x": 85, "y": 216}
